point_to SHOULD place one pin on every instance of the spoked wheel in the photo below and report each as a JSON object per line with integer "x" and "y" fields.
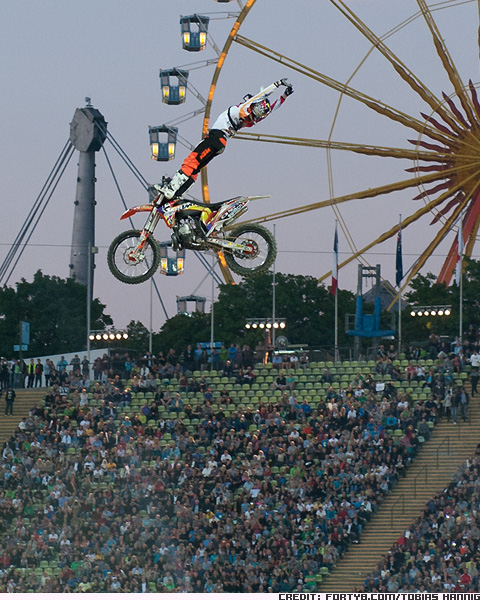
{"x": 258, "y": 252}
{"x": 127, "y": 263}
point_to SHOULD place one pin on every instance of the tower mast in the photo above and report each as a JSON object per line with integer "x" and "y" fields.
{"x": 88, "y": 131}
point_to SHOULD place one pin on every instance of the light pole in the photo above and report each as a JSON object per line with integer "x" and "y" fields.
{"x": 91, "y": 251}
{"x": 269, "y": 327}
{"x": 150, "y": 335}
{"x": 212, "y": 316}
{"x": 273, "y": 296}
{"x": 442, "y": 310}
{"x": 107, "y": 336}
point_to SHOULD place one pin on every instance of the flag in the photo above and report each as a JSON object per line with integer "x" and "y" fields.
{"x": 458, "y": 268}
{"x": 399, "y": 260}
{"x": 334, "y": 286}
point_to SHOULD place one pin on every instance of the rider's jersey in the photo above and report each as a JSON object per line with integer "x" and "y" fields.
{"x": 236, "y": 117}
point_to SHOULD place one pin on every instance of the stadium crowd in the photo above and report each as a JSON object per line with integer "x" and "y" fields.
{"x": 440, "y": 552}
{"x": 195, "y": 491}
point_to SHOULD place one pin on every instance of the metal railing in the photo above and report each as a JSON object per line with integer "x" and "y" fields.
{"x": 399, "y": 499}
{"x": 446, "y": 441}
{"x": 425, "y": 470}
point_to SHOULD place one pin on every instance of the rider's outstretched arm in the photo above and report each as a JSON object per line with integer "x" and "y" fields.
{"x": 243, "y": 108}
{"x": 287, "y": 92}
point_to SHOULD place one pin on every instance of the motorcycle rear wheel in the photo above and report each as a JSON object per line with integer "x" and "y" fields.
{"x": 260, "y": 250}
{"x": 127, "y": 267}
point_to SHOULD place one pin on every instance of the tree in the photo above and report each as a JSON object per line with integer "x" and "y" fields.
{"x": 181, "y": 330}
{"x": 425, "y": 291}
{"x": 56, "y": 310}
{"x": 138, "y": 336}
{"x": 302, "y": 300}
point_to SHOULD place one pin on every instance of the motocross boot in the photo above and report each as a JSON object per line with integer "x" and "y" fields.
{"x": 176, "y": 187}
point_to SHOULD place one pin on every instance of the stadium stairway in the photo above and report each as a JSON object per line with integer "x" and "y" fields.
{"x": 435, "y": 466}
{"x": 24, "y": 401}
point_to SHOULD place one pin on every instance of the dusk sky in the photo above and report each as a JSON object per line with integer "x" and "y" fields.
{"x": 56, "y": 53}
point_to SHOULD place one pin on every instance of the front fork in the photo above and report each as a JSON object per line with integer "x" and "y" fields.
{"x": 148, "y": 229}
{"x": 152, "y": 221}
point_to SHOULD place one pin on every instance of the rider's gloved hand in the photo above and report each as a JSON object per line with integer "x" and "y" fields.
{"x": 288, "y": 90}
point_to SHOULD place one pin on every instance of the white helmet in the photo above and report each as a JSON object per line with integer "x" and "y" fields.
{"x": 260, "y": 108}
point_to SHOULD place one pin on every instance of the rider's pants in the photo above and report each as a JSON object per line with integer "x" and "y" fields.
{"x": 211, "y": 146}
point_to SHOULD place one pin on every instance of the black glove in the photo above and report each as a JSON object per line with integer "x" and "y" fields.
{"x": 288, "y": 90}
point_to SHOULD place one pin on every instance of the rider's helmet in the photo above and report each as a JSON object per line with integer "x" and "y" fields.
{"x": 260, "y": 108}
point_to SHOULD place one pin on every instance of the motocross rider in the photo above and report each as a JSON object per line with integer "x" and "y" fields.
{"x": 253, "y": 110}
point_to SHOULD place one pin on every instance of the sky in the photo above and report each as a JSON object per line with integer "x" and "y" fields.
{"x": 55, "y": 53}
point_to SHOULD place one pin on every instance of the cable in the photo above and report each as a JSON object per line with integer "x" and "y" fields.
{"x": 39, "y": 215}
{"x": 36, "y": 210}
{"x": 123, "y": 155}
{"x": 17, "y": 240}
{"x": 204, "y": 262}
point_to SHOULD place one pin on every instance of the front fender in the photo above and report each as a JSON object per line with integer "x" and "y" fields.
{"x": 136, "y": 209}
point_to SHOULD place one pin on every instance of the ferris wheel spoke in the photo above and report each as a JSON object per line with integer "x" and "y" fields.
{"x": 381, "y": 190}
{"x": 470, "y": 225}
{"x": 446, "y": 228}
{"x": 394, "y": 230}
{"x": 473, "y": 235}
{"x": 455, "y": 110}
{"x": 446, "y": 209}
{"x": 405, "y": 73}
{"x": 475, "y": 101}
{"x": 379, "y": 107}
{"x": 447, "y": 62}
{"x": 367, "y": 149}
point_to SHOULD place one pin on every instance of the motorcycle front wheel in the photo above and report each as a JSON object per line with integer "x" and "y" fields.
{"x": 258, "y": 251}
{"x": 127, "y": 263}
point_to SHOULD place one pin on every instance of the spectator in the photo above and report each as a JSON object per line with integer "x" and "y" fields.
{"x": 85, "y": 367}
{"x": 76, "y": 363}
{"x": 31, "y": 373}
{"x": 303, "y": 361}
{"x": 10, "y": 396}
{"x": 62, "y": 365}
{"x": 38, "y": 373}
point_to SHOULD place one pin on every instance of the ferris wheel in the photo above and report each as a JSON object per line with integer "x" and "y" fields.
{"x": 440, "y": 142}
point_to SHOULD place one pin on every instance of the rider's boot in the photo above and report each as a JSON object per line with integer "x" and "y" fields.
{"x": 176, "y": 187}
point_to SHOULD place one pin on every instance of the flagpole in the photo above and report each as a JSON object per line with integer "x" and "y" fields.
{"x": 399, "y": 277}
{"x": 335, "y": 283}
{"x": 399, "y": 306}
{"x": 459, "y": 274}
{"x": 336, "y": 327}
{"x": 460, "y": 316}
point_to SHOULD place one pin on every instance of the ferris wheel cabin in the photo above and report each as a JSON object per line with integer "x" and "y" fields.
{"x": 163, "y": 141}
{"x": 194, "y": 32}
{"x": 174, "y": 85}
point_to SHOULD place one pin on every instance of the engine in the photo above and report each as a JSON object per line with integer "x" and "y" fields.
{"x": 188, "y": 234}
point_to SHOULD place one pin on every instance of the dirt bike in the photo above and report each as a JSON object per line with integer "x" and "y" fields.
{"x": 249, "y": 249}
